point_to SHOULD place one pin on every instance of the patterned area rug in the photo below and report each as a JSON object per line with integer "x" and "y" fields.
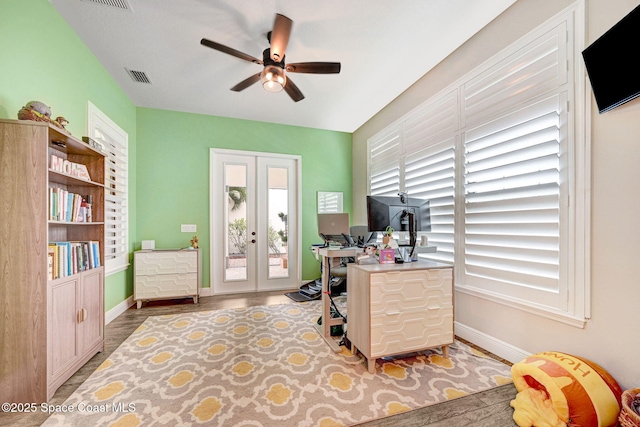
{"x": 262, "y": 366}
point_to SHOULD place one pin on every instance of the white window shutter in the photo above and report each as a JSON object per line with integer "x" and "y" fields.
{"x": 512, "y": 202}
{"x": 385, "y": 151}
{"x": 116, "y": 222}
{"x": 429, "y": 167}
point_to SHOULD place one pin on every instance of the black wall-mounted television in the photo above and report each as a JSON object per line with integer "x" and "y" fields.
{"x": 612, "y": 63}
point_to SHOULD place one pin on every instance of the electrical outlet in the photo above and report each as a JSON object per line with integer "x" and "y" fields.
{"x": 188, "y": 228}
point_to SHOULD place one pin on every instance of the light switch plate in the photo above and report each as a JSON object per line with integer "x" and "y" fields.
{"x": 188, "y": 228}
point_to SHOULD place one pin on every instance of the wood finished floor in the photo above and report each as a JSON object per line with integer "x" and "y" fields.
{"x": 486, "y": 409}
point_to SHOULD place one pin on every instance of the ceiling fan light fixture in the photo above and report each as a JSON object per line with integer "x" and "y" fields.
{"x": 273, "y": 78}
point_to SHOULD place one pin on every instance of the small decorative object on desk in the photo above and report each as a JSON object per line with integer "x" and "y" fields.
{"x": 366, "y": 259}
{"x": 387, "y": 256}
{"x": 388, "y": 235}
{"x": 194, "y": 242}
{"x": 40, "y": 112}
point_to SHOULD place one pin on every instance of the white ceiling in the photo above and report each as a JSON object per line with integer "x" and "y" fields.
{"x": 383, "y": 46}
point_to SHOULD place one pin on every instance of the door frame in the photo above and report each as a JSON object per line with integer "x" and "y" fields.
{"x": 215, "y": 184}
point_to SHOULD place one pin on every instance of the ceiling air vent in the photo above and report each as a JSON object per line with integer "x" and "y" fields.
{"x": 138, "y": 76}
{"x": 120, "y": 4}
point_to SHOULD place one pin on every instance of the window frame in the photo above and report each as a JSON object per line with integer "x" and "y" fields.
{"x": 574, "y": 257}
{"x": 117, "y": 141}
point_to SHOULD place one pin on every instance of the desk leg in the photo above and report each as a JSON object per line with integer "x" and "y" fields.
{"x": 325, "y": 329}
{"x": 445, "y": 351}
{"x": 371, "y": 365}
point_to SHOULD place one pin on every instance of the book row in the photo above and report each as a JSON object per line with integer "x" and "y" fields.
{"x": 68, "y": 258}
{"x": 69, "y": 207}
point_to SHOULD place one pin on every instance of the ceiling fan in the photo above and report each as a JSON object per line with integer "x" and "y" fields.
{"x": 273, "y": 76}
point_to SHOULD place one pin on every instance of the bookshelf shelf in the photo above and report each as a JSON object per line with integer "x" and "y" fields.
{"x": 81, "y": 224}
{"x": 61, "y": 178}
{"x": 65, "y": 313}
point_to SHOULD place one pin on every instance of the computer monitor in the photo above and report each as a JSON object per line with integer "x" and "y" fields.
{"x": 398, "y": 212}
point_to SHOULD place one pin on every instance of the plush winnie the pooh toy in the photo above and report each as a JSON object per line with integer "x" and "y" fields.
{"x": 558, "y": 390}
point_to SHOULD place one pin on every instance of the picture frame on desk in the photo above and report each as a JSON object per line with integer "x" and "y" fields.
{"x": 387, "y": 256}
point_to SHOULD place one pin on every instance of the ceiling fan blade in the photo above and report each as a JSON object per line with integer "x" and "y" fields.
{"x": 246, "y": 83}
{"x": 280, "y": 37}
{"x": 230, "y": 51}
{"x": 293, "y": 91}
{"x": 314, "y": 67}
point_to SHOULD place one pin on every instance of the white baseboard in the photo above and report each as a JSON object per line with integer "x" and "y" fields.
{"x": 205, "y": 292}
{"x": 491, "y": 344}
{"x": 118, "y": 310}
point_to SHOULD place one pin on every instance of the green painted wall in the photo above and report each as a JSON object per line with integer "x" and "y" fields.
{"x": 41, "y": 58}
{"x": 173, "y": 173}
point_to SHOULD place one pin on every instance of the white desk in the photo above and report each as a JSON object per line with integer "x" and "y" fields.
{"x": 327, "y": 254}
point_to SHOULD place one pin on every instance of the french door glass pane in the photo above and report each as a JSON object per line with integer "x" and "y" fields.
{"x": 278, "y": 201}
{"x": 236, "y": 218}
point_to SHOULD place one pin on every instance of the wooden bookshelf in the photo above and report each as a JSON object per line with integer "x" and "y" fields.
{"x": 48, "y": 328}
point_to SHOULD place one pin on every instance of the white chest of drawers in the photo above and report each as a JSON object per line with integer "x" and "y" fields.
{"x": 166, "y": 274}
{"x": 396, "y": 309}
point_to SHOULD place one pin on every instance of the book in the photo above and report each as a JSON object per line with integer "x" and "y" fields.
{"x": 51, "y": 253}
{"x": 69, "y": 207}
{"x": 85, "y": 256}
{"x": 96, "y": 252}
{"x": 61, "y": 259}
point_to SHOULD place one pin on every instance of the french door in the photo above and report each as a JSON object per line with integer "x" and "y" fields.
{"x": 254, "y": 221}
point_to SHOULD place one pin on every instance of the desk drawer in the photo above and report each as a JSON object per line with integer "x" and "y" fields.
{"x": 407, "y": 331}
{"x": 166, "y": 285}
{"x": 165, "y": 262}
{"x": 416, "y": 290}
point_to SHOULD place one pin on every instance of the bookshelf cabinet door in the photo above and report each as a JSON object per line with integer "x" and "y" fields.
{"x": 63, "y": 321}
{"x": 92, "y": 309}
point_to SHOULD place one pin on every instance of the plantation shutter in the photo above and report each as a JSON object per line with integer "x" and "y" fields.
{"x": 429, "y": 168}
{"x": 512, "y": 200}
{"x": 116, "y": 216}
{"x": 515, "y": 136}
{"x": 116, "y": 205}
{"x": 384, "y": 163}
